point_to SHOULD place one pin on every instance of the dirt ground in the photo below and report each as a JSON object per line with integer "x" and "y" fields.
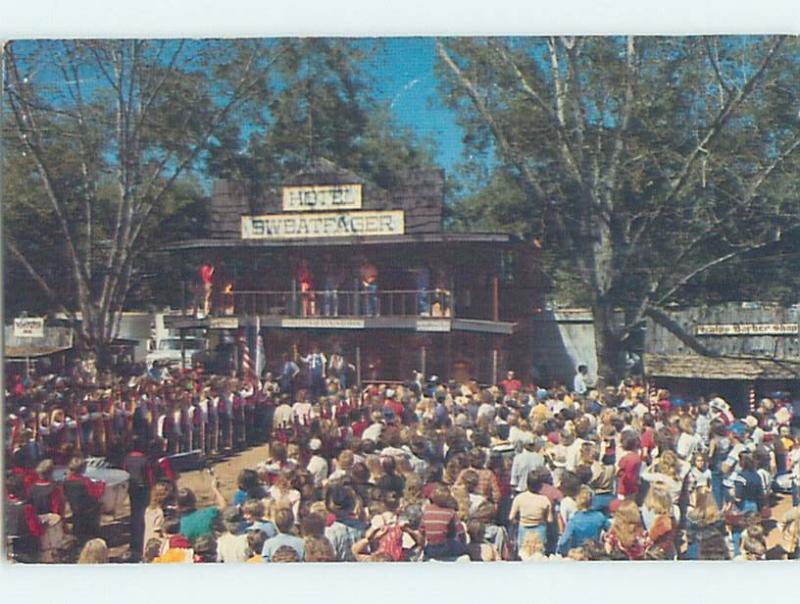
{"x": 226, "y": 469}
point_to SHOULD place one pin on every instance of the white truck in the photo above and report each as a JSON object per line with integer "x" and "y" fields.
{"x": 165, "y": 345}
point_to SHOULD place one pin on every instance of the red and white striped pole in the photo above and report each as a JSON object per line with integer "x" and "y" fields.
{"x": 752, "y": 397}
{"x": 246, "y": 363}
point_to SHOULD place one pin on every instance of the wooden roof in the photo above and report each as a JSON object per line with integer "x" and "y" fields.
{"x": 720, "y": 368}
{"x": 407, "y": 239}
{"x": 22, "y": 352}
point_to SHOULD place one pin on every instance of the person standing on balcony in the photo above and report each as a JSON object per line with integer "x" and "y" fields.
{"x": 207, "y": 279}
{"x": 369, "y": 283}
{"x": 423, "y": 300}
{"x": 316, "y": 362}
{"x": 333, "y": 279}
{"x": 306, "y": 280}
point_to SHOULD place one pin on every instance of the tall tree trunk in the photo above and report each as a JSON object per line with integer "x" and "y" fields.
{"x": 609, "y": 348}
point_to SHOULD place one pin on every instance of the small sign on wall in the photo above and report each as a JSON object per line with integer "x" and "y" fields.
{"x": 749, "y": 329}
{"x": 29, "y": 327}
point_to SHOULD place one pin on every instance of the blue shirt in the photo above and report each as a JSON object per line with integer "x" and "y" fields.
{"x": 583, "y": 526}
{"x": 272, "y": 545}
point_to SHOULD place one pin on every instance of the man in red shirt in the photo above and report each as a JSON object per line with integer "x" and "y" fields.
{"x": 628, "y": 468}
{"x": 510, "y": 385}
{"x": 22, "y": 526}
{"x": 393, "y": 404}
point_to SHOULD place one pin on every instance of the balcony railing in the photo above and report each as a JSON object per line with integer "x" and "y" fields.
{"x": 337, "y": 303}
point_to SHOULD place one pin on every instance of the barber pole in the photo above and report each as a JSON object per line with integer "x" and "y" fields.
{"x": 245, "y": 351}
{"x": 752, "y": 397}
{"x": 260, "y": 355}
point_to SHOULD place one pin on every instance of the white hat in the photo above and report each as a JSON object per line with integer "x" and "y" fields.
{"x": 315, "y": 444}
{"x": 751, "y": 421}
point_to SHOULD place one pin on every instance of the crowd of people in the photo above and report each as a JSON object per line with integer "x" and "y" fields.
{"x": 423, "y": 470}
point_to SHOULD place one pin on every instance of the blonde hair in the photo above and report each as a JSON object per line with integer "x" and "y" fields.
{"x": 705, "y": 510}
{"x": 583, "y": 500}
{"x": 94, "y": 552}
{"x": 346, "y": 460}
{"x": 531, "y": 544}
{"x": 627, "y": 522}
{"x": 659, "y": 501}
{"x": 668, "y": 464}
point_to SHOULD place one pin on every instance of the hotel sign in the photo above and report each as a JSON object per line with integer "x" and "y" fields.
{"x": 324, "y": 323}
{"x": 749, "y": 329}
{"x": 321, "y": 197}
{"x": 324, "y": 224}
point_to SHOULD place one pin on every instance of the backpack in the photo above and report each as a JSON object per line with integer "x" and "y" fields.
{"x": 391, "y": 542}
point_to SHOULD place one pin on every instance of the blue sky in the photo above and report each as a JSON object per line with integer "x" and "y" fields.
{"x": 404, "y": 77}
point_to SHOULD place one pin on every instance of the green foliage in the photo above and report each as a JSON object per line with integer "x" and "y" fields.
{"x": 321, "y": 105}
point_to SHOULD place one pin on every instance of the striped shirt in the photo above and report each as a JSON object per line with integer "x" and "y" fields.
{"x": 437, "y": 523}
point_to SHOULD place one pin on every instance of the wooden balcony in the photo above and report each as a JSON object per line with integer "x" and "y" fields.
{"x": 336, "y": 304}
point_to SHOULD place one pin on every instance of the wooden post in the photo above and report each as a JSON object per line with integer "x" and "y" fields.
{"x": 495, "y": 361}
{"x": 424, "y": 361}
{"x": 495, "y": 299}
{"x": 183, "y": 349}
{"x": 358, "y": 365}
{"x": 451, "y": 298}
{"x": 448, "y": 353}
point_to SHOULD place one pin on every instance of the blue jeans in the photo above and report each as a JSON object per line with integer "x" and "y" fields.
{"x": 330, "y": 303}
{"x": 736, "y": 534}
{"x": 371, "y": 299}
{"x": 717, "y": 488}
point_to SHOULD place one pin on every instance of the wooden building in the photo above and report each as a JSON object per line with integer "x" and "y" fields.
{"x": 750, "y": 350}
{"x": 332, "y": 260}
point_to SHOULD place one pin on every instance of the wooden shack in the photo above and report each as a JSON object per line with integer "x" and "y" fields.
{"x": 746, "y": 351}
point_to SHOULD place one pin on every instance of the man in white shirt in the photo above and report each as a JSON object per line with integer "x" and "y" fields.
{"x": 374, "y": 431}
{"x": 303, "y": 412}
{"x": 317, "y": 362}
{"x": 579, "y": 385}
{"x": 524, "y": 463}
{"x": 232, "y": 545}
{"x": 317, "y": 465}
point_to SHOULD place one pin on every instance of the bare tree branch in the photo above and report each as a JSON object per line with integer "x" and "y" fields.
{"x": 532, "y": 183}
